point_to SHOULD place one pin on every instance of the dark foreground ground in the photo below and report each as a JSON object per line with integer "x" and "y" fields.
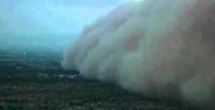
{"x": 30, "y": 81}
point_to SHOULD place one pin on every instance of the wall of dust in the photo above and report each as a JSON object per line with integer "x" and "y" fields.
{"x": 160, "y": 48}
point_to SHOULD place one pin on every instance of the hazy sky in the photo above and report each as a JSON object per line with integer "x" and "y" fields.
{"x": 47, "y": 23}
{"x": 50, "y": 16}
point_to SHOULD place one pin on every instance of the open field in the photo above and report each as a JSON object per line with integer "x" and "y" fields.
{"x": 29, "y": 81}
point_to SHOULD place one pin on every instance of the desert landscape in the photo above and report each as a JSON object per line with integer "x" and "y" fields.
{"x": 31, "y": 81}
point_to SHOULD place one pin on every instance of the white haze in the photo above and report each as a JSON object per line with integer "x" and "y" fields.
{"x": 159, "y": 48}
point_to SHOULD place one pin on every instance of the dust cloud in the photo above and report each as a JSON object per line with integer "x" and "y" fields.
{"x": 159, "y": 48}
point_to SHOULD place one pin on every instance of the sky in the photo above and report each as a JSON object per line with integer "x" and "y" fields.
{"x": 50, "y": 16}
{"x": 44, "y": 21}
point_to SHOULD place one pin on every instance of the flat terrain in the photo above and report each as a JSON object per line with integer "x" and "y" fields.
{"x": 31, "y": 81}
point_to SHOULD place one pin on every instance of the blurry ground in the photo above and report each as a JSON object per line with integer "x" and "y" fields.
{"x": 31, "y": 81}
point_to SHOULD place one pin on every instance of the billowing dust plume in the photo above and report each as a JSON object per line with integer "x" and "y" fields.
{"x": 160, "y": 48}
